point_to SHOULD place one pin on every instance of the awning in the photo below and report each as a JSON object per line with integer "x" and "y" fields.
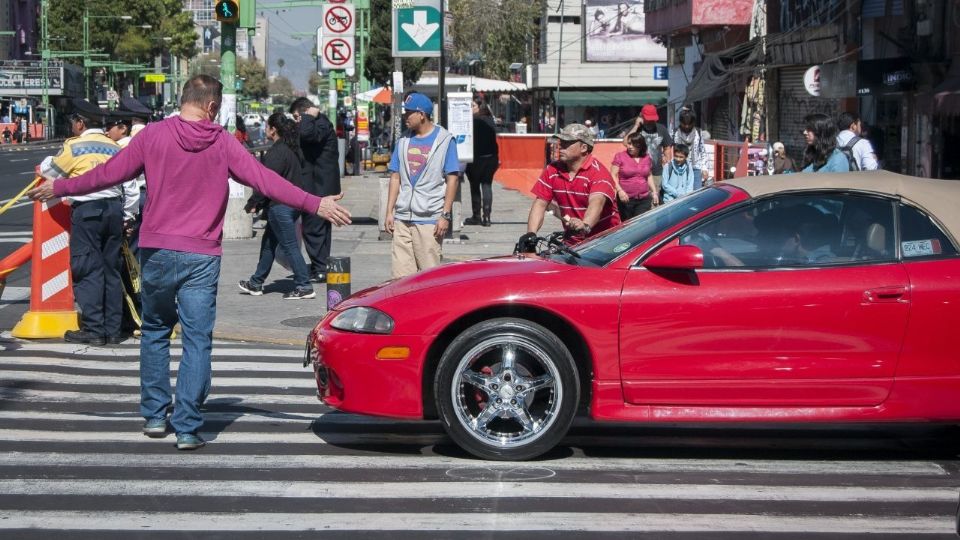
{"x": 377, "y": 95}
{"x": 609, "y": 98}
{"x": 478, "y": 84}
{"x": 719, "y": 71}
{"x": 946, "y": 96}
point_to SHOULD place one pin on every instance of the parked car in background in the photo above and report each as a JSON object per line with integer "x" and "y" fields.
{"x": 803, "y": 298}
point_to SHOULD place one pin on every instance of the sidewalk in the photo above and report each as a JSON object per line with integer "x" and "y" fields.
{"x": 271, "y": 319}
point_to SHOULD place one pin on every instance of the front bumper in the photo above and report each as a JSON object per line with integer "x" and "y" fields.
{"x": 351, "y": 378}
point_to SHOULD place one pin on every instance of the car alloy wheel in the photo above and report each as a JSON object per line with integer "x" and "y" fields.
{"x": 507, "y": 389}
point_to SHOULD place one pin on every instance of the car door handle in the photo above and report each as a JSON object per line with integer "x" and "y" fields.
{"x": 885, "y": 295}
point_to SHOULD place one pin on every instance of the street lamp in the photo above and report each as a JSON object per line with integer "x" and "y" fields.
{"x": 86, "y": 41}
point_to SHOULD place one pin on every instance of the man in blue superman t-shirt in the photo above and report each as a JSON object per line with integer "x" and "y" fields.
{"x": 423, "y": 182}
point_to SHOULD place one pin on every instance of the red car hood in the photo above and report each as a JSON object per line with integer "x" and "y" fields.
{"x": 461, "y": 273}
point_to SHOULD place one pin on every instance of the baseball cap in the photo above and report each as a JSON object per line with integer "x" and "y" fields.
{"x": 649, "y": 113}
{"x": 778, "y": 147}
{"x": 418, "y": 102}
{"x": 575, "y": 132}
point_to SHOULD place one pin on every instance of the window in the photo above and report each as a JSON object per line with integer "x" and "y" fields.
{"x": 799, "y": 231}
{"x": 604, "y": 248}
{"x": 920, "y": 236}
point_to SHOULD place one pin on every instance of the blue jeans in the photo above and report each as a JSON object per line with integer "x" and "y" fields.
{"x": 281, "y": 231}
{"x": 177, "y": 285}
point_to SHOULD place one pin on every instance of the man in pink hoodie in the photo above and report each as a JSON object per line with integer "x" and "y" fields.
{"x": 187, "y": 160}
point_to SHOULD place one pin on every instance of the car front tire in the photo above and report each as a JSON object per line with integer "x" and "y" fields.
{"x": 507, "y": 389}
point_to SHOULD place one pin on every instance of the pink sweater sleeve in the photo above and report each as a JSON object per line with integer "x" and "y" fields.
{"x": 126, "y": 165}
{"x": 245, "y": 168}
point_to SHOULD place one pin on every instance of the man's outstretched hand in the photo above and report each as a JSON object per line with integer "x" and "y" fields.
{"x": 43, "y": 192}
{"x": 333, "y": 212}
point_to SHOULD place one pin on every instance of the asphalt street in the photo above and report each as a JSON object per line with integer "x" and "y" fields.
{"x": 278, "y": 464}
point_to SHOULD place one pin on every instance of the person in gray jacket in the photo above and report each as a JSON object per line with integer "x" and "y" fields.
{"x": 424, "y": 173}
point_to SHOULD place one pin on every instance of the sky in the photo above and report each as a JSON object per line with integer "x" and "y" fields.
{"x": 287, "y": 41}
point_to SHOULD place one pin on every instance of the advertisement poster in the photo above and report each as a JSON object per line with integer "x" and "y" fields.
{"x": 460, "y": 123}
{"x": 614, "y": 32}
{"x": 363, "y": 122}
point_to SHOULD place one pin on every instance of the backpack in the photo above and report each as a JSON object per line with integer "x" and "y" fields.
{"x": 848, "y": 151}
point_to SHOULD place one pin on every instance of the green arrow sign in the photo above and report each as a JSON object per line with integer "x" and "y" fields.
{"x": 417, "y": 29}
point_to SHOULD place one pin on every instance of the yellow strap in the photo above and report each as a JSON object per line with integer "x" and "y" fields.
{"x": 12, "y": 201}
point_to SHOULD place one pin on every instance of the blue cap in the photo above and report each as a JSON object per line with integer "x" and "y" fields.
{"x": 418, "y": 102}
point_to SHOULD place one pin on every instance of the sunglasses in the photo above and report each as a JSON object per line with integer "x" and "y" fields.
{"x": 567, "y": 144}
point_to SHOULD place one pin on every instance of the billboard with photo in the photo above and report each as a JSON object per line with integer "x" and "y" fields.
{"x": 613, "y": 31}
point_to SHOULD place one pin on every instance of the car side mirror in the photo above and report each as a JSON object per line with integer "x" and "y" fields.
{"x": 687, "y": 257}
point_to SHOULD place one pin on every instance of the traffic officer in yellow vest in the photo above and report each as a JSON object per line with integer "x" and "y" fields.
{"x": 96, "y": 228}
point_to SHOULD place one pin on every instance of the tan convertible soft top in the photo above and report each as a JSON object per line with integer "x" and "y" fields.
{"x": 941, "y": 198}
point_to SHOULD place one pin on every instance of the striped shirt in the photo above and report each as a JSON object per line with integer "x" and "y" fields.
{"x": 572, "y": 195}
{"x": 79, "y": 155}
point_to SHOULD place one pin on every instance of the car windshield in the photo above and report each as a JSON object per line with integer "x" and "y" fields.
{"x": 603, "y": 249}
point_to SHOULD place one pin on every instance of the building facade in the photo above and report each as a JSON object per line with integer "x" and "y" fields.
{"x": 595, "y": 62}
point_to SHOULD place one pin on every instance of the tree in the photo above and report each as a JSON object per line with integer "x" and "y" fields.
{"x": 313, "y": 84}
{"x": 254, "y": 76}
{"x": 496, "y": 33}
{"x": 281, "y": 90}
{"x": 379, "y": 62}
{"x": 126, "y": 39}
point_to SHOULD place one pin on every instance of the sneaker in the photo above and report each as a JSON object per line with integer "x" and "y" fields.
{"x": 84, "y": 337}
{"x": 189, "y": 441}
{"x": 250, "y": 288}
{"x": 155, "y": 427}
{"x": 300, "y": 294}
{"x": 319, "y": 277}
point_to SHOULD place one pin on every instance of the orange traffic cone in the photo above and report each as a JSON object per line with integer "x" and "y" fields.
{"x": 51, "y": 311}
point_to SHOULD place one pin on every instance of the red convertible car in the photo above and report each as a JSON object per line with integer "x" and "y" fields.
{"x": 795, "y": 298}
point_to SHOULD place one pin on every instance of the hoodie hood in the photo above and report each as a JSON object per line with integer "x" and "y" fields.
{"x": 194, "y": 136}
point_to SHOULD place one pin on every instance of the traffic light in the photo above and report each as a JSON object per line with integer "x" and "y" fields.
{"x": 227, "y": 10}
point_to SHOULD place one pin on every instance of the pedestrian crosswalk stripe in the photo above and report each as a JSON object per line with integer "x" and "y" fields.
{"x": 474, "y": 490}
{"x": 910, "y": 469}
{"x": 122, "y": 418}
{"x": 305, "y": 382}
{"x": 219, "y": 392}
{"x": 227, "y": 437}
{"x": 118, "y": 365}
{"x": 126, "y": 351}
{"x": 194, "y": 522}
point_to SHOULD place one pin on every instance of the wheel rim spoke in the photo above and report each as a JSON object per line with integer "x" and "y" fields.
{"x": 523, "y": 418}
{"x": 509, "y": 359}
{"x": 475, "y": 379}
{"x": 485, "y": 417}
{"x": 532, "y": 385}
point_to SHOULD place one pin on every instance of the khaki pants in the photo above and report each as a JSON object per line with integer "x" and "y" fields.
{"x": 415, "y": 248}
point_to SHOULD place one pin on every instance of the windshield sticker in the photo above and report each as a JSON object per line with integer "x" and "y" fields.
{"x": 619, "y": 248}
{"x": 920, "y": 248}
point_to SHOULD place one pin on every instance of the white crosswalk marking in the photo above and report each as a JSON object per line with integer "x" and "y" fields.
{"x": 72, "y": 459}
{"x": 544, "y": 521}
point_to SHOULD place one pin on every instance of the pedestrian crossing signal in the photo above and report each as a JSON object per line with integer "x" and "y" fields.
{"x": 227, "y": 10}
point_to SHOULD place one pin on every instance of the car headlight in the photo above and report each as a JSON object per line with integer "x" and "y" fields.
{"x": 365, "y": 320}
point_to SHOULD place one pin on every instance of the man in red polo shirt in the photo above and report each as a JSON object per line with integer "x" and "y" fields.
{"x": 579, "y": 185}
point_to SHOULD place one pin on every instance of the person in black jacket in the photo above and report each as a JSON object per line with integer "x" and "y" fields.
{"x": 285, "y": 159}
{"x": 321, "y": 176}
{"x": 486, "y": 160}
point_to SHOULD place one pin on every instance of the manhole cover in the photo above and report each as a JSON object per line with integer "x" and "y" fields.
{"x": 302, "y": 322}
{"x": 498, "y": 474}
